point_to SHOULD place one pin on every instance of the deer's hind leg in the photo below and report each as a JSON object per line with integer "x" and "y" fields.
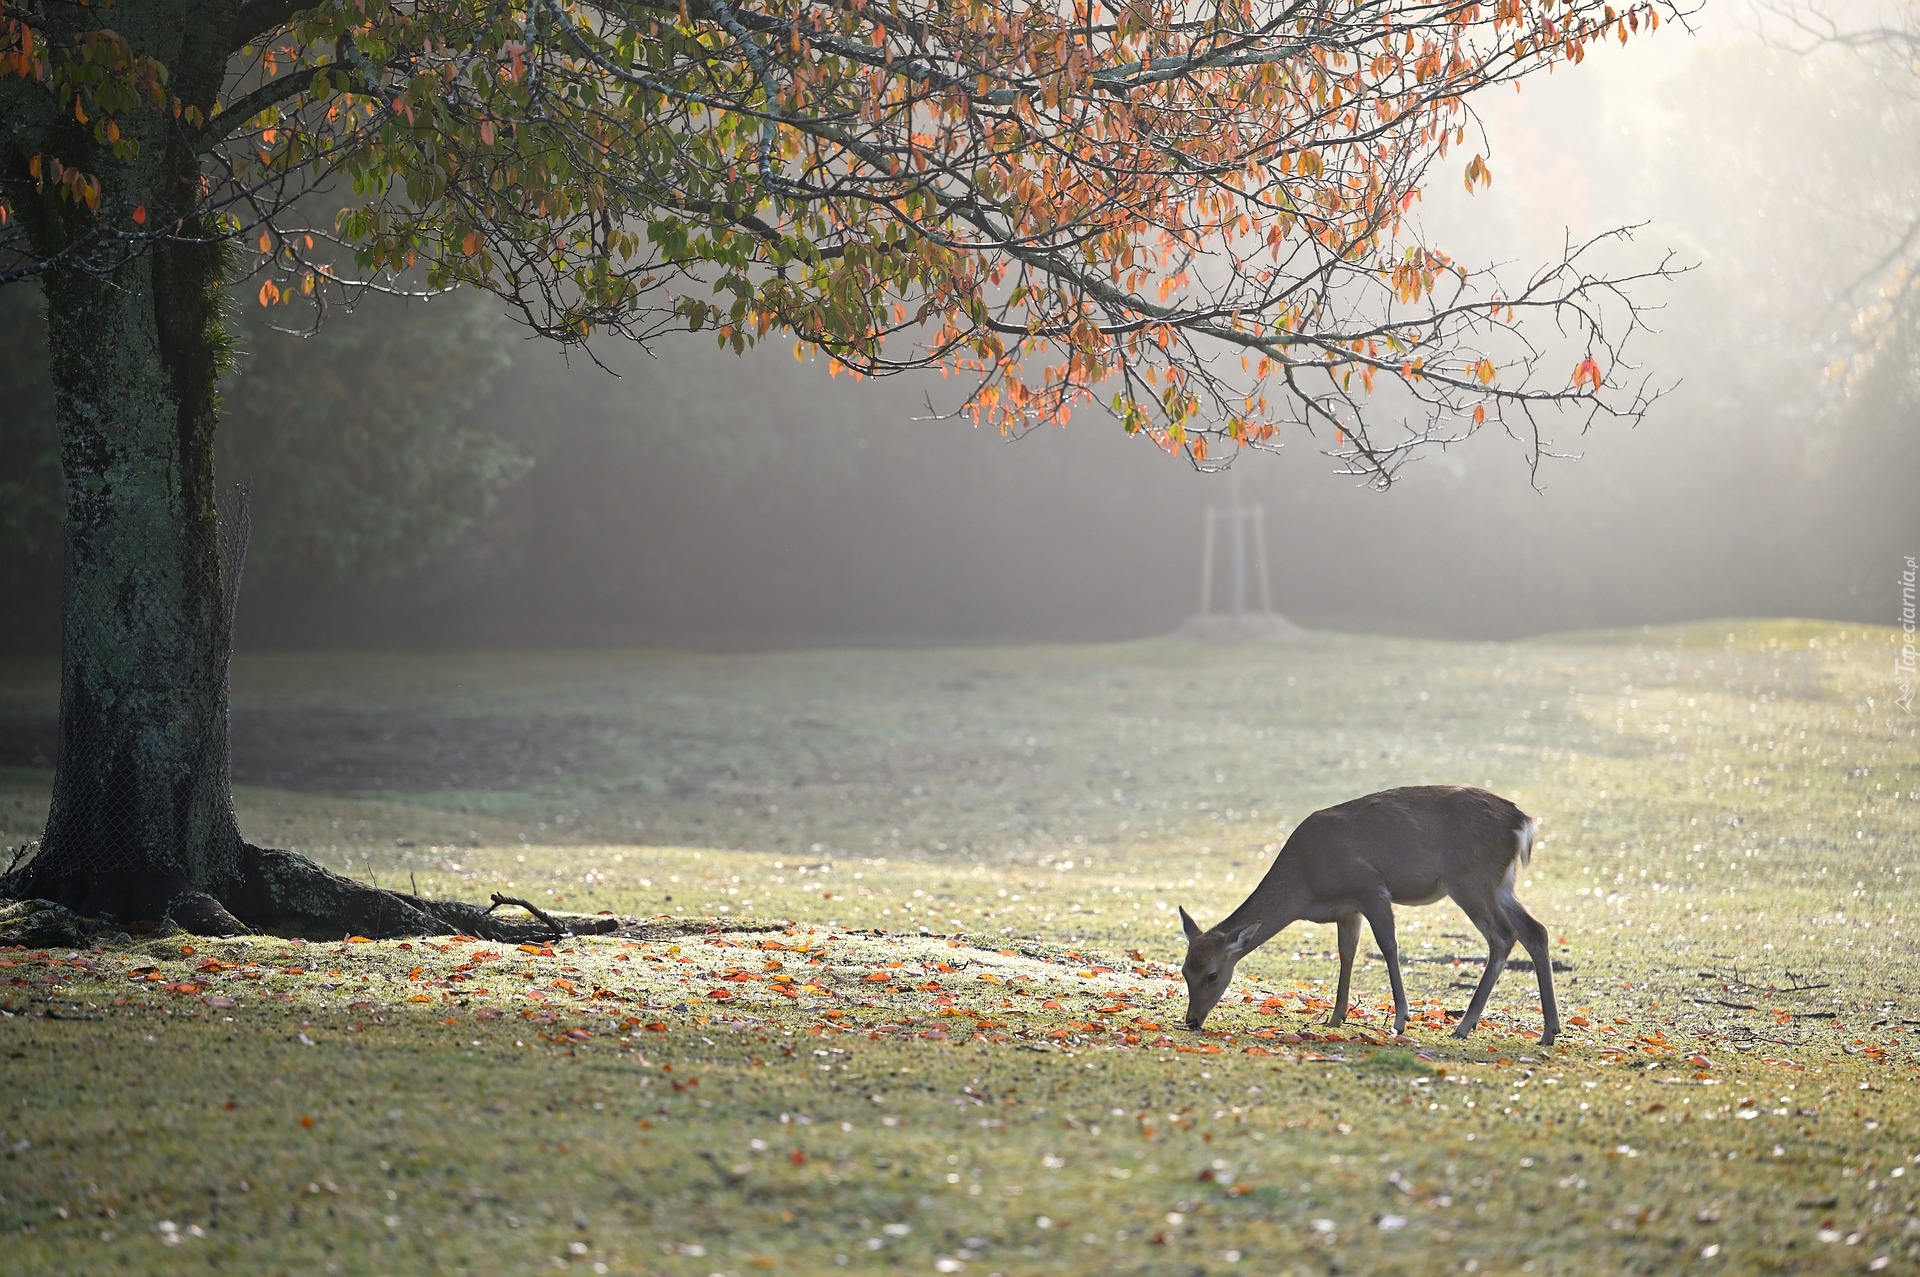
{"x": 1349, "y": 933}
{"x": 1533, "y": 937}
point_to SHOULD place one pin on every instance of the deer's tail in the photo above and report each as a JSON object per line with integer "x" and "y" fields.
{"x": 1523, "y": 839}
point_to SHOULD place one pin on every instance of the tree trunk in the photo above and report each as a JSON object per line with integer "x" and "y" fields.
{"x": 141, "y": 810}
{"x": 142, "y": 823}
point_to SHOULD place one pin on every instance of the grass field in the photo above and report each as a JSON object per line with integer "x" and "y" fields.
{"x": 903, "y": 994}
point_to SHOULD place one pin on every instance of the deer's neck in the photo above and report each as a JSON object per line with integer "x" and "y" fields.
{"x": 1273, "y": 905}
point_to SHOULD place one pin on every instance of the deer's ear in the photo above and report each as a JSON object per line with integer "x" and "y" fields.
{"x": 1245, "y": 941}
{"x": 1187, "y": 924}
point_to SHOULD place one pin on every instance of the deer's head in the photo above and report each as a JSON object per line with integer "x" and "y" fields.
{"x": 1211, "y": 958}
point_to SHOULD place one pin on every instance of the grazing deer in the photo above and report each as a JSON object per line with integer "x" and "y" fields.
{"x": 1400, "y": 846}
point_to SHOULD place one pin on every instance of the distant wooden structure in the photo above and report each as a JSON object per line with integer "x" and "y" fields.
{"x": 1246, "y": 565}
{"x": 1237, "y": 518}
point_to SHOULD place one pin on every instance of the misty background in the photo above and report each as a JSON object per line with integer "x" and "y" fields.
{"x": 423, "y": 475}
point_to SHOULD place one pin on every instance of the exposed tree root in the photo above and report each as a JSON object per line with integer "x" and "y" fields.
{"x": 281, "y": 893}
{"x": 41, "y": 924}
{"x": 289, "y": 894}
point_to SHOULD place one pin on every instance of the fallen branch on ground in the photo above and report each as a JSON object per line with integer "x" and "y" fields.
{"x": 498, "y": 900}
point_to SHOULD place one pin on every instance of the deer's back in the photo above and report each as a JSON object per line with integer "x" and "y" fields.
{"x": 1421, "y": 842}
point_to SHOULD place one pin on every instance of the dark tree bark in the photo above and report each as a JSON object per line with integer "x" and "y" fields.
{"x": 141, "y": 811}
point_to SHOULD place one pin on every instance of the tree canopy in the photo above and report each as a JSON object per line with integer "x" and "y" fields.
{"x": 1194, "y": 216}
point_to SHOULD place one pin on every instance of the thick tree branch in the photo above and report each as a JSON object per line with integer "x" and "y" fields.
{"x": 235, "y": 114}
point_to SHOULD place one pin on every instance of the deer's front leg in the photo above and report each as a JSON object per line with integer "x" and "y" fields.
{"x": 1349, "y": 931}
